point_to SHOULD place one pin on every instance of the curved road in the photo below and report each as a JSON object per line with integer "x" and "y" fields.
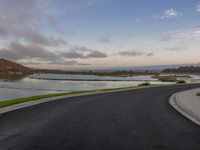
{"x": 133, "y": 120}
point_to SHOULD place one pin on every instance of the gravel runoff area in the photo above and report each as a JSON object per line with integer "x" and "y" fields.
{"x": 188, "y": 104}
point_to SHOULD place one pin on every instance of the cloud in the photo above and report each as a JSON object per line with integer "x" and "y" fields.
{"x": 149, "y": 54}
{"x": 23, "y": 19}
{"x": 34, "y": 55}
{"x": 32, "y": 36}
{"x": 130, "y": 53}
{"x": 24, "y": 12}
{"x": 80, "y": 49}
{"x": 96, "y": 54}
{"x": 3, "y": 32}
{"x": 72, "y": 54}
{"x": 53, "y": 62}
{"x": 19, "y": 51}
{"x": 83, "y": 53}
{"x": 35, "y": 37}
{"x": 24, "y": 38}
{"x": 188, "y": 35}
{"x": 134, "y": 53}
{"x": 20, "y": 31}
{"x": 32, "y": 51}
{"x": 176, "y": 48}
{"x": 9, "y": 54}
{"x": 68, "y": 63}
{"x": 169, "y": 13}
{"x": 28, "y": 62}
{"x": 68, "y": 6}
{"x": 198, "y": 8}
{"x": 31, "y": 54}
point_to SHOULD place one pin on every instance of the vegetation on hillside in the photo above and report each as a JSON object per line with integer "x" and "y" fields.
{"x": 8, "y": 67}
{"x": 172, "y": 78}
{"x": 99, "y": 73}
{"x": 185, "y": 69}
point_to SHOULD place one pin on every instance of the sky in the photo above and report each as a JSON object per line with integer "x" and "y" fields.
{"x": 77, "y": 34}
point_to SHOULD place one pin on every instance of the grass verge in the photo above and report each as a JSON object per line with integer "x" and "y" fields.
{"x": 39, "y": 97}
{"x": 6, "y": 103}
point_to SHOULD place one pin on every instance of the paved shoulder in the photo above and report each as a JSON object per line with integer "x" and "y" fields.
{"x": 188, "y": 104}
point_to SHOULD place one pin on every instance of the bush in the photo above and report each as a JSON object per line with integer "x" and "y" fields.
{"x": 180, "y": 82}
{"x": 165, "y": 78}
{"x": 144, "y": 84}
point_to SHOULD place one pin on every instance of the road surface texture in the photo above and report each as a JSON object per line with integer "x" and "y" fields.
{"x": 132, "y": 120}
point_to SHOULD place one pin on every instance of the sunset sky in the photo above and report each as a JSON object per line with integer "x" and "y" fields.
{"x": 73, "y": 34}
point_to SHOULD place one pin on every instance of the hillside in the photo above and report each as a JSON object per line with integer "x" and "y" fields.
{"x": 185, "y": 69}
{"x": 7, "y": 67}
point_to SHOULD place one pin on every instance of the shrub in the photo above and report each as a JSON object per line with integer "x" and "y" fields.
{"x": 180, "y": 82}
{"x": 144, "y": 84}
{"x": 165, "y": 78}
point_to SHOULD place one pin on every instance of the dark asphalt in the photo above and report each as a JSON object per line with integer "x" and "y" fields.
{"x": 132, "y": 120}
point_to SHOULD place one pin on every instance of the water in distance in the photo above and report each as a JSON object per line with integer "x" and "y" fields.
{"x": 89, "y": 77}
{"x": 28, "y": 86}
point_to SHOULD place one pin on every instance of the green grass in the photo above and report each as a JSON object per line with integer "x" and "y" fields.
{"x": 6, "y": 103}
{"x": 39, "y": 97}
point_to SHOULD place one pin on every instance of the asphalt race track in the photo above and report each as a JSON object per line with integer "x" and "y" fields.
{"x": 132, "y": 120}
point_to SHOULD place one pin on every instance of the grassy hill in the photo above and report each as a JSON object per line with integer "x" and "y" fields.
{"x": 8, "y": 67}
